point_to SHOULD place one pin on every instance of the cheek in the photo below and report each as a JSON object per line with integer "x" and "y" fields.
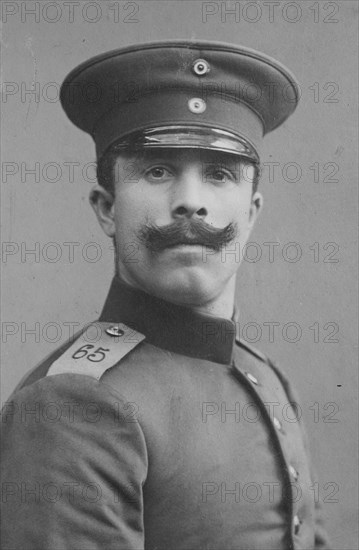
{"x": 238, "y": 209}
{"x": 134, "y": 206}
{"x": 125, "y": 219}
{"x": 143, "y": 201}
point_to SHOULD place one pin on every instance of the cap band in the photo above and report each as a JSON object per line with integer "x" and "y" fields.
{"x": 170, "y": 108}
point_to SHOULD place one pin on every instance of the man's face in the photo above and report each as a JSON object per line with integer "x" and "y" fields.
{"x": 180, "y": 219}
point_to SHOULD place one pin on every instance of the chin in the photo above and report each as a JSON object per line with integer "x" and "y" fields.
{"x": 188, "y": 287}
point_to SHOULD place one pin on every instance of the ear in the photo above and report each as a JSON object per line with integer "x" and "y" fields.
{"x": 103, "y": 204}
{"x": 256, "y": 207}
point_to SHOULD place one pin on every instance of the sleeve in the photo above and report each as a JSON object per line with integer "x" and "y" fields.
{"x": 321, "y": 537}
{"x": 74, "y": 463}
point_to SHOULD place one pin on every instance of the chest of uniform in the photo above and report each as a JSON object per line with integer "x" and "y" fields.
{"x": 216, "y": 455}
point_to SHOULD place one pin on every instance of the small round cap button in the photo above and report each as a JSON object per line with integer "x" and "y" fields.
{"x": 200, "y": 67}
{"x": 115, "y": 331}
{"x": 197, "y": 105}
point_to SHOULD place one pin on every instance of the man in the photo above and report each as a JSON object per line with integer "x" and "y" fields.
{"x": 154, "y": 428}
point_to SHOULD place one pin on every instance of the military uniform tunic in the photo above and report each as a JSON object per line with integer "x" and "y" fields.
{"x": 190, "y": 441}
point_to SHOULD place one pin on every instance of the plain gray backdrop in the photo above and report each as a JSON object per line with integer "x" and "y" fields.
{"x": 297, "y": 297}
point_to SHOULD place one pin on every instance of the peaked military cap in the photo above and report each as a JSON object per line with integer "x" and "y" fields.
{"x": 193, "y": 94}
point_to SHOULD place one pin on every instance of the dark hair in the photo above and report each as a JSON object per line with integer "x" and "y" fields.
{"x": 105, "y": 169}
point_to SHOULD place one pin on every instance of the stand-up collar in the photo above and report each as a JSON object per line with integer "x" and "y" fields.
{"x": 169, "y": 326}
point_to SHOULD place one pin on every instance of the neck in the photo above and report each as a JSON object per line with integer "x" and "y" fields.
{"x": 222, "y": 305}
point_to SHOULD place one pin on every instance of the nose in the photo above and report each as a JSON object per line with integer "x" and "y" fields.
{"x": 188, "y": 199}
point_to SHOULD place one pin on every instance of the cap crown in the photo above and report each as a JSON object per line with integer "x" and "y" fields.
{"x": 182, "y": 83}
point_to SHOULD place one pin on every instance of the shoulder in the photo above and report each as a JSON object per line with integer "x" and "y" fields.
{"x": 252, "y": 350}
{"x": 92, "y": 351}
{"x": 264, "y": 359}
{"x": 65, "y": 403}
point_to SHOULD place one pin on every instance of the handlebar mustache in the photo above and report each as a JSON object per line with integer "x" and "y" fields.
{"x": 186, "y": 231}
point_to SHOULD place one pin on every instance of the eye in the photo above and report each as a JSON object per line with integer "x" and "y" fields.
{"x": 220, "y": 175}
{"x": 157, "y": 173}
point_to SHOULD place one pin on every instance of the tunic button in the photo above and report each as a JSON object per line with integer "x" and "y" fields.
{"x": 296, "y": 524}
{"x": 252, "y": 378}
{"x": 293, "y": 472}
{"x": 115, "y": 331}
{"x": 277, "y": 424}
{"x": 200, "y": 67}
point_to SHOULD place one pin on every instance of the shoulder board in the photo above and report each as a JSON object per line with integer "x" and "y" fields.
{"x": 101, "y": 346}
{"x": 252, "y": 351}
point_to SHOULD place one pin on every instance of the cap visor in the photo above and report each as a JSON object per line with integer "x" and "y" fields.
{"x": 190, "y": 137}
